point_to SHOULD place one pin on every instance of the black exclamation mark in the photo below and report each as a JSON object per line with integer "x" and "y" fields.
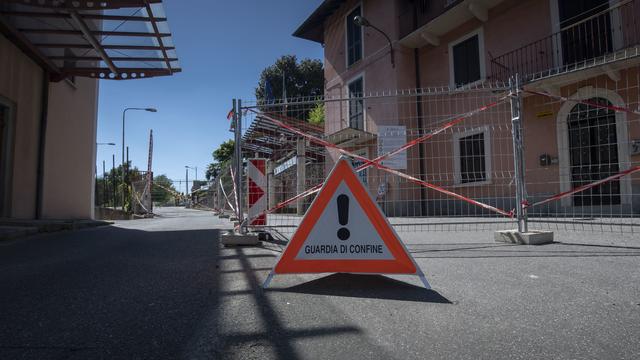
{"x": 343, "y": 216}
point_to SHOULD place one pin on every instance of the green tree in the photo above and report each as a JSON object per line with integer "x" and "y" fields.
{"x": 303, "y": 78}
{"x": 213, "y": 169}
{"x": 221, "y": 156}
{"x": 316, "y": 116}
{"x": 109, "y": 188}
{"x": 163, "y": 190}
{"x": 224, "y": 152}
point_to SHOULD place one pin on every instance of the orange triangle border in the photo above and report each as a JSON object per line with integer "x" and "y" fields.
{"x": 402, "y": 263}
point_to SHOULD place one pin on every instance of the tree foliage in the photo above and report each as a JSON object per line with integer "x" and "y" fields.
{"x": 213, "y": 169}
{"x": 224, "y": 152}
{"x": 109, "y": 187}
{"x": 316, "y": 116}
{"x": 221, "y": 156}
{"x": 161, "y": 192}
{"x": 303, "y": 78}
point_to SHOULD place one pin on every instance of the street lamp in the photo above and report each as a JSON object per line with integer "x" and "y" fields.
{"x": 124, "y": 113}
{"x": 193, "y": 168}
{"x": 362, "y": 21}
{"x": 187, "y": 171}
{"x": 109, "y": 144}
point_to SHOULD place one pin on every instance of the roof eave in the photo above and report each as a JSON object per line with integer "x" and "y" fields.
{"x": 313, "y": 27}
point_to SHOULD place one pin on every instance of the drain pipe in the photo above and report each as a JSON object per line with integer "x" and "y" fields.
{"x": 42, "y": 135}
{"x": 421, "y": 146}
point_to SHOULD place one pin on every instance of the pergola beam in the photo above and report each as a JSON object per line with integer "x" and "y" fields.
{"x": 94, "y": 32}
{"x": 157, "y": 31}
{"x": 120, "y": 58}
{"x": 96, "y": 72}
{"x": 86, "y": 32}
{"x": 58, "y": 15}
{"x": 27, "y": 47}
{"x": 86, "y": 4}
{"x": 106, "y": 47}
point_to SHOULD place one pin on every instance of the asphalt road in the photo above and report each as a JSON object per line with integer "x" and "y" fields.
{"x": 165, "y": 289}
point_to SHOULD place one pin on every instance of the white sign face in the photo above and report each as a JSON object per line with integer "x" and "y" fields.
{"x": 635, "y": 147}
{"x": 344, "y": 231}
{"x": 391, "y": 137}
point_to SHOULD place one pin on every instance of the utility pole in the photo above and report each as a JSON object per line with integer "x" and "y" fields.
{"x": 237, "y": 111}
{"x": 113, "y": 180}
{"x": 124, "y": 117}
{"x": 105, "y": 198}
{"x": 518, "y": 152}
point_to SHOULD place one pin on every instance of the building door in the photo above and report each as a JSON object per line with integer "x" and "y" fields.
{"x": 593, "y": 153}
{"x": 2, "y": 127}
{"x": 4, "y": 119}
{"x": 585, "y": 27}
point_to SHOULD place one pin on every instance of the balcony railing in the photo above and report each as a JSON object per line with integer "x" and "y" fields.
{"x": 604, "y": 37}
{"x": 411, "y": 19}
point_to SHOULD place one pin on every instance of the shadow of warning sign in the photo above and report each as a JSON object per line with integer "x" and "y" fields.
{"x": 366, "y": 287}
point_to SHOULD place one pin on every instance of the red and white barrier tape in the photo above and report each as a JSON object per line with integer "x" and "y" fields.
{"x": 377, "y": 161}
{"x": 226, "y": 197}
{"x": 584, "y": 187}
{"x": 586, "y": 102}
{"x": 235, "y": 192}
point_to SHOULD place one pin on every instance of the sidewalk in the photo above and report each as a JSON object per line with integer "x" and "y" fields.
{"x": 16, "y": 228}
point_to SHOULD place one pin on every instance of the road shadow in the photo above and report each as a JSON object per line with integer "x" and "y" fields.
{"x": 606, "y": 246}
{"x": 367, "y": 287}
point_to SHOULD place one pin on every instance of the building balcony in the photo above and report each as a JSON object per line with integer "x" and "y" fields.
{"x": 608, "y": 39}
{"x": 424, "y": 22}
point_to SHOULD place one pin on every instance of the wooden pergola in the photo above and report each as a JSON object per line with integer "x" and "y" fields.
{"x": 107, "y": 39}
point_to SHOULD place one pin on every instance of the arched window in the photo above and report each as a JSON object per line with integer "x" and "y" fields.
{"x": 593, "y": 152}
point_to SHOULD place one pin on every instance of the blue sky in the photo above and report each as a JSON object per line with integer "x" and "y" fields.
{"x": 222, "y": 46}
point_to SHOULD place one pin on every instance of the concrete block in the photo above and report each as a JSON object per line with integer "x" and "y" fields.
{"x": 232, "y": 238}
{"x": 533, "y": 237}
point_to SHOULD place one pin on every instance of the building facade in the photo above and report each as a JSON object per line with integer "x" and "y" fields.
{"x": 559, "y": 49}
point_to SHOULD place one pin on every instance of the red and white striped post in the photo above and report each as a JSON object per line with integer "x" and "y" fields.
{"x": 257, "y": 191}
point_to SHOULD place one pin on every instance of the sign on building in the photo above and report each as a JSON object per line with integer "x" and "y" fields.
{"x": 391, "y": 137}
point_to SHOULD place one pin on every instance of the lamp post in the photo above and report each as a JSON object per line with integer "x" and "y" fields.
{"x": 187, "y": 177}
{"x": 124, "y": 113}
{"x": 362, "y": 21}
{"x": 193, "y": 168}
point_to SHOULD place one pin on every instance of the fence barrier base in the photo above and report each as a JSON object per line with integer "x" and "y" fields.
{"x": 524, "y": 238}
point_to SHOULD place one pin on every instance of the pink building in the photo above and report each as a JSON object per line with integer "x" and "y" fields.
{"x": 463, "y": 53}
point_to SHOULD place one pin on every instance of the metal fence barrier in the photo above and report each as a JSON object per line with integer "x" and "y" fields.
{"x": 526, "y": 155}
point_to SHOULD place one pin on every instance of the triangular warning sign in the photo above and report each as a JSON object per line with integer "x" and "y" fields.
{"x": 345, "y": 231}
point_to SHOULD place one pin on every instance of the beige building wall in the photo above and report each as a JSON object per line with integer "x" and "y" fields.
{"x": 68, "y": 183}
{"x": 21, "y": 83}
{"x": 70, "y": 150}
